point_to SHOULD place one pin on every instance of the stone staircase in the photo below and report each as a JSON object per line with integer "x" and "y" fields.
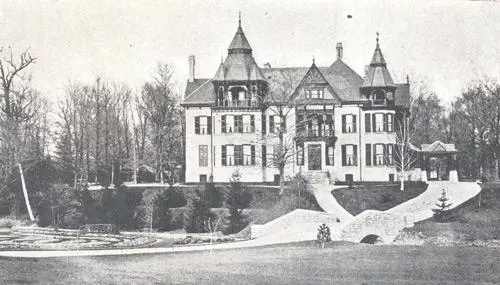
{"x": 316, "y": 177}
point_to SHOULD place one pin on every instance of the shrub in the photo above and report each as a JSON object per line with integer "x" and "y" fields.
{"x": 237, "y": 199}
{"x": 214, "y": 196}
{"x": 443, "y": 207}
{"x": 323, "y": 235}
{"x": 198, "y": 212}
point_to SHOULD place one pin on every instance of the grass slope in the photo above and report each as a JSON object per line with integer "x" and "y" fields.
{"x": 469, "y": 222}
{"x": 301, "y": 263}
{"x": 376, "y": 197}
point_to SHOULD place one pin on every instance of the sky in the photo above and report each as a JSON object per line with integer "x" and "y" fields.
{"x": 450, "y": 43}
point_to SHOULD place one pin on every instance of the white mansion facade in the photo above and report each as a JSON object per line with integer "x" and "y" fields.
{"x": 332, "y": 121}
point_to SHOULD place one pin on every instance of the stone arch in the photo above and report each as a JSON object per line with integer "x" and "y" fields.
{"x": 371, "y": 239}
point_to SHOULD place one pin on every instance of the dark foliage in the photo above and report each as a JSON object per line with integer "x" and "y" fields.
{"x": 237, "y": 198}
{"x": 215, "y": 196}
{"x": 324, "y": 235}
{"x": 198, "y": 212}
{"x": 442, "y": 207}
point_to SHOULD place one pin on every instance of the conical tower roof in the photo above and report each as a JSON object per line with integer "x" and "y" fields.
{"x": 378, "y": 75}
{"x": 239, "y": 44}
{"x": 239, "y": 64}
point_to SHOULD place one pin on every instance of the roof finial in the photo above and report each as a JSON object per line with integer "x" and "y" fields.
{"x": 221, "y": 59}
{"x": 407, "y": 79}
{"x": 239, "y": 19}
{"x": 314, "y": 61}
{"x": 377, "y": 37}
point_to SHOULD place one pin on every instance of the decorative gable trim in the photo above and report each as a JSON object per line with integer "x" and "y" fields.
{"x": 314, "y": 76}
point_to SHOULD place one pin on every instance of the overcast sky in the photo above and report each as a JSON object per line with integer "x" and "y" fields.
{"x": 449, "y": 42}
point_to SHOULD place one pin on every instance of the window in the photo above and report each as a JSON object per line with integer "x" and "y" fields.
{"x": 263, "y": 124}
{"x": 368, "y": 123}
{"x": 329, "y": 126}
{"x": 349, "y": 155}
{"x": 379, "y": 153}
{"x": 390, "y": 155}
{"x": 276, "y": 156}
{"x": 203, "y": 178}
{"x": 300, "y": 154}
{"x": 248, "y": 155}
{"x": 202, "y": 125}
{"x": 229, "y": 124}
{"x": 238, "y": 155}
{"x": 220, "y": 96}
{"x": 248, "y": 123}
{"x": 390, "y": 124}
{"x": 228, "y": 155}
{"x": 203, "y": 155}
{"x": 348, "y": 123}
{"x": 315, "y": 127}
{"x": 264, "y": 156}
{"x": 329, "y": 155}
{"x": 378, "y": 122}
{"x": 238, "y": 124}
{"x": 271, "y": 124}
{"x": 368, "y": 157}
{"x": 316, "y": 93}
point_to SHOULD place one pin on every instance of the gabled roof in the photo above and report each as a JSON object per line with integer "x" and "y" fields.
{"x": 202, "y": 93}
{"x": 283, "y": 81}
{"x": 439, "y": 147}
{"x": 344, "y": 81}
{"x": 315, "y": 76}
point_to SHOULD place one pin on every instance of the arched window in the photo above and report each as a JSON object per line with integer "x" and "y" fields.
{"x": 238, "y": 95}
{"x": 378, "y": 97}
{"x": 220, "y": 96}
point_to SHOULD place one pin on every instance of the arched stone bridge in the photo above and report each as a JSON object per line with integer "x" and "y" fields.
{"x": 371, "y": 224}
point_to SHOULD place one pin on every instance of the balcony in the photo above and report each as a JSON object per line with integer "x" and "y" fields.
{"x": 239, "y": 103}
{"x": 315, "y": 134}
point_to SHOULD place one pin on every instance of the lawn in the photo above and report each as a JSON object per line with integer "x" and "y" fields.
{"x": 301, "y": 263}
{"x": 376, "y": 197}
{"x": 476, "y": 220}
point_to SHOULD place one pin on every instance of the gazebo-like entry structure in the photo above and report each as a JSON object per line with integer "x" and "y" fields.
{"x": 439, "y": 161}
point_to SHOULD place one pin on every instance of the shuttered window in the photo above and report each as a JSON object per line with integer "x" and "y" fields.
{"x": 368, "y": 123}
{"x": 368, "y": 158}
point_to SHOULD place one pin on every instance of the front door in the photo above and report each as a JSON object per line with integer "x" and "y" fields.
{"x": 314, "y": 154}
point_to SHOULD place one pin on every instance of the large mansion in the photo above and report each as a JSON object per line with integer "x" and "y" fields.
{"x": 319, "y": 121}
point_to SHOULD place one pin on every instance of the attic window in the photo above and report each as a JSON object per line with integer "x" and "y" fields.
{"x": 316, "y": 93}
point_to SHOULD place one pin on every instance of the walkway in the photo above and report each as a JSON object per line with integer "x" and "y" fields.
{"x": 420, "y": 207}
{"x": 325, "y": 199}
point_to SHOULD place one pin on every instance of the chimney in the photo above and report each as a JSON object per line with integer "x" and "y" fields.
{"x": 191, "y": 68}
{"x": 340, "y": 51}
{"x": 267, "y": 65}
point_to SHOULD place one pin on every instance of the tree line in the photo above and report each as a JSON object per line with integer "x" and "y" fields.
{"x": 106, "y": 133}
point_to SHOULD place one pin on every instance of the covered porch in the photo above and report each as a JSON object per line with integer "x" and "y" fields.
{"x": 439, "y": 161}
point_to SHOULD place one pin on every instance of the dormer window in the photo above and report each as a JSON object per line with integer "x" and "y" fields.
{"x": 378, "y": 97}
{"x": 314, "y": 93}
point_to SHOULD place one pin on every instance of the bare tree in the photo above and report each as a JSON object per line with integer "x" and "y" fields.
{"x": 20, "y": 118}
{"x": 279, "y": 103}
{"x": 159, "y": 106}
{"x": 404, "y": 153}
{"x": 212, "y": 226}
